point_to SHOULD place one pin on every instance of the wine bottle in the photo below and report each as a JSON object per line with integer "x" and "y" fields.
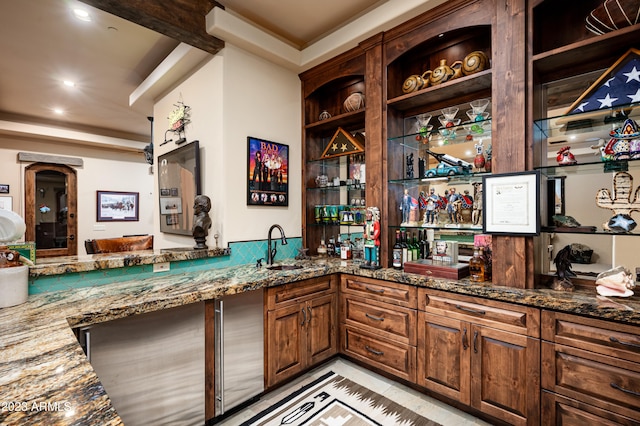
{"x": 405, "y": 247}
{"x": 415, "y": 250}
{"x": 397, "y": 252}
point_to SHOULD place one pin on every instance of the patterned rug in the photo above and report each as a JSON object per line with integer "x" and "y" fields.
{"x": 333, "y": 400}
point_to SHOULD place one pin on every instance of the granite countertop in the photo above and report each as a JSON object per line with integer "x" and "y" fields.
{"x": 46, "y": 379}
{"x": 91, "y": 262}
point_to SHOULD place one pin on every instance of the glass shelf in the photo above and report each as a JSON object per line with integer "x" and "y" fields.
{"x": 359, "y": 187}
{"x": 590, "y": 168}
{"x": 597, "y": 231}
{"x": 465, "y": 178}
{"x": 440, "y": 136}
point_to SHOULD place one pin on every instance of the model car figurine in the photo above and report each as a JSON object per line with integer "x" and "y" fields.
{"x": 444, "y": 169}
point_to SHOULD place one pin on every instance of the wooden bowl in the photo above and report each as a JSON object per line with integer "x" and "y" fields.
{"x": 613, "y": 15}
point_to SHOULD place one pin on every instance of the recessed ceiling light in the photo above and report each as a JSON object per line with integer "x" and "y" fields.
{"x": 82, "y": 15}
{"x": 58, "y": 111}
{"x": 69, "y": 83}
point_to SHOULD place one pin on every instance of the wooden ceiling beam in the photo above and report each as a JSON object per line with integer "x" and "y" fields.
{"x": 182, "y": 20}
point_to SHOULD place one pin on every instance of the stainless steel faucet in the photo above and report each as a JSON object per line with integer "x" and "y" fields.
{"x": 271, "y": 252}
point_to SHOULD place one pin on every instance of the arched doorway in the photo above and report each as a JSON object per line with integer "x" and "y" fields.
{"x": 51, "y": 209}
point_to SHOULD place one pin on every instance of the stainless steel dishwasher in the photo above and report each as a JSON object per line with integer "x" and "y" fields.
{"x": 239, "y": 350}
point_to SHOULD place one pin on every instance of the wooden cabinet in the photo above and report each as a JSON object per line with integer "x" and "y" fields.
{"x": 378, "y": 324}
{"x": 301, "y": 327}
{"x": 482, "y": 353}
{"x": 590, "y": 366}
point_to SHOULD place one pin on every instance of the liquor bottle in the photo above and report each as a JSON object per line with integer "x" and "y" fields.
{"x": 397, "y": 252}
{"x": 487, "y": 265}
{"x": 331, "y": 247}
{"x": 322, "y": 249}
{"x": 338, "y": 246}
{"x": 405, "y": 247}
{"x": 424, "y": 246}
{"x": 476, "y": 266}
{"x": 415, "y": 255}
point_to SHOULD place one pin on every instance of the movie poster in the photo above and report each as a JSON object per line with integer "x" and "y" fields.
{"x": 268, "y": 173}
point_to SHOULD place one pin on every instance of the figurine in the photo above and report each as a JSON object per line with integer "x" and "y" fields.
{"x": 620, "y": 202}
{"x": 410, "y": 166}
{"x": 433, "y": 204}
{"x": 562, "y": 281}
{"x": 372, "y": 239}
{"x": 454, "y": 203}
{"x": 565, "y": 157}
{"x": 201, "y": 221}
{"x": 479, "y": 160}
{"x": 405, "y": 206}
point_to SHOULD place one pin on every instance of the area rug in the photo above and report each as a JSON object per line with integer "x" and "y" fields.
{"x": 333, "y": 400}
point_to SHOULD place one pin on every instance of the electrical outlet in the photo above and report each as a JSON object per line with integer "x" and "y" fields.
{"x": 161, "y": 267}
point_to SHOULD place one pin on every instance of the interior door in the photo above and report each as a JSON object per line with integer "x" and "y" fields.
{"x": 51, "y": 209}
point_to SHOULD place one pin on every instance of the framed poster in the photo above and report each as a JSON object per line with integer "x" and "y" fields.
{"x": 267, "y": 173}
{"x": 114, "y": 206}
{"x": 511, "y": 203}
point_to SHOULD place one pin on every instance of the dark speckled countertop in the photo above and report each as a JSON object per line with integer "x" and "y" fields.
{"x": 46, "y": 379}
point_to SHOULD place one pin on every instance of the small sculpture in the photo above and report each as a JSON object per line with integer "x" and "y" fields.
{"x": 432, "y": 205}
{"x": 201, "y": 221}
{"x": 454, "y": 204}
{"x": 372, "y": 239}
{"x": 615, "y": 282}
{"x": 405, "y": 206}
{"x": 620, "y": 202}
{"x": 479, "y": 160}
{"x": 410, "y": 166}
{"x": 476, "y": 212}
{"x": 565, "y": 157}
{"x": 565, "y": 221}
{"x": 562, "y": 281}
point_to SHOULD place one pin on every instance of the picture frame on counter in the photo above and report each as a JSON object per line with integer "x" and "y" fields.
{"x": 511, "y": 203}
{"x": 267, "y": 173}
{"x": 117, "y": 206}
{"x": 4, "y": 188}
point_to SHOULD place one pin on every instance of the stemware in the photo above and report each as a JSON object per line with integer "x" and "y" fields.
{"x": 479, "y": 105}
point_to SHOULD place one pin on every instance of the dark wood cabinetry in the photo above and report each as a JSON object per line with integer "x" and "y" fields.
{"x": 378, "y": 324}
{"x": 589, "y": 370}
{"x": 481, "y": 353}
{"x": 301, "y": 327}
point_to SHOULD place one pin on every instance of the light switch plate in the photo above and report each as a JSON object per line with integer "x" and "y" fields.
{"x": 99, "y": 227}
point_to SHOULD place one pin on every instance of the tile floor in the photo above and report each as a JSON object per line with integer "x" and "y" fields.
{"x": 416, "y": 401}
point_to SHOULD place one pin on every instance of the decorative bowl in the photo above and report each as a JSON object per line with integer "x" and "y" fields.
{"x": 613, "y": 15}
{"x": 354, "y": 102}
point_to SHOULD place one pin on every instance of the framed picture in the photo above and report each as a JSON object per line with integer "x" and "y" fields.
{"x": 4, "y": 189}
{"x": 267, "y": 173}
{"x": 6, "y": 202}
{"x": 171, "y": 205}
{"x": 114, "y": 206}
{"x": 511, "y": 203}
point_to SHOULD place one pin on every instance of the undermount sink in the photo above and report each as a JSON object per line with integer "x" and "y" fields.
{"x": 283, "y": 267}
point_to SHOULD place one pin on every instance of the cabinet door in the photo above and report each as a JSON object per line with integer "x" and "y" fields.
{"x": 563, "y": 411}
{"x": 285, "y": 342}
{"x": 505, "y": 375}
{"x": 443, "y": 356}
{"x": 322, "y": 336}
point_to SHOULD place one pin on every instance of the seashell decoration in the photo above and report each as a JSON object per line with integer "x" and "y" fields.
{"x": 354, "y": 102}
{"x": 474, "y": 62}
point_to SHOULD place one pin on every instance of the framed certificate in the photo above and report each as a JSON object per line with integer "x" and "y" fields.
{"x": 511, "y": 203}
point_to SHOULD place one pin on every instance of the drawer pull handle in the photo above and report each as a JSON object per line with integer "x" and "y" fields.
{"x": 620, "y": 388}
{"x": 309, "y": 318}
{"x": 632, "y": 345}
{"x": 465, "y": 340}
{"x": 373, "y": 290}
{"x": 475, "y": 342}
{"x": 373, "y": 351}
{"x": 374, "y": 318}
{"x": 473, "y": 311}
{"x": 304, "y": 316}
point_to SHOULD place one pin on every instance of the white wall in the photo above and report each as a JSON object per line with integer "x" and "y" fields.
{"x": 232, "y": 96}
{"x": 102, "y": 170}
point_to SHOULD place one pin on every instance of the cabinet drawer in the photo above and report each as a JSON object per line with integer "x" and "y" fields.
{"x": 383, "y": 291}
{"x": 560, "y": 410}
{"x": 390, "y": 321}
{"x": 606, "y": 382}
{"x": 379, "y": 352}
{"x": 500, "y": 315}
{"x": 603, "y": 337}
{"x": 299, "y": 291}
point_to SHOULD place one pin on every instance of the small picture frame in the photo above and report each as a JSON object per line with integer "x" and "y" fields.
{"x": 511, "y": 203}
{"x": 4, "y": 188}
{"x": 171, "y": 205}
{"x": 117, "y": 206}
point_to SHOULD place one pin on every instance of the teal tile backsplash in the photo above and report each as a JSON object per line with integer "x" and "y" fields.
{"x": 242, "y": 253}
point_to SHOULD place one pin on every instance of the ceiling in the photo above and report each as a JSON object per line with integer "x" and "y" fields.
{"x": 109, "y": 57}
